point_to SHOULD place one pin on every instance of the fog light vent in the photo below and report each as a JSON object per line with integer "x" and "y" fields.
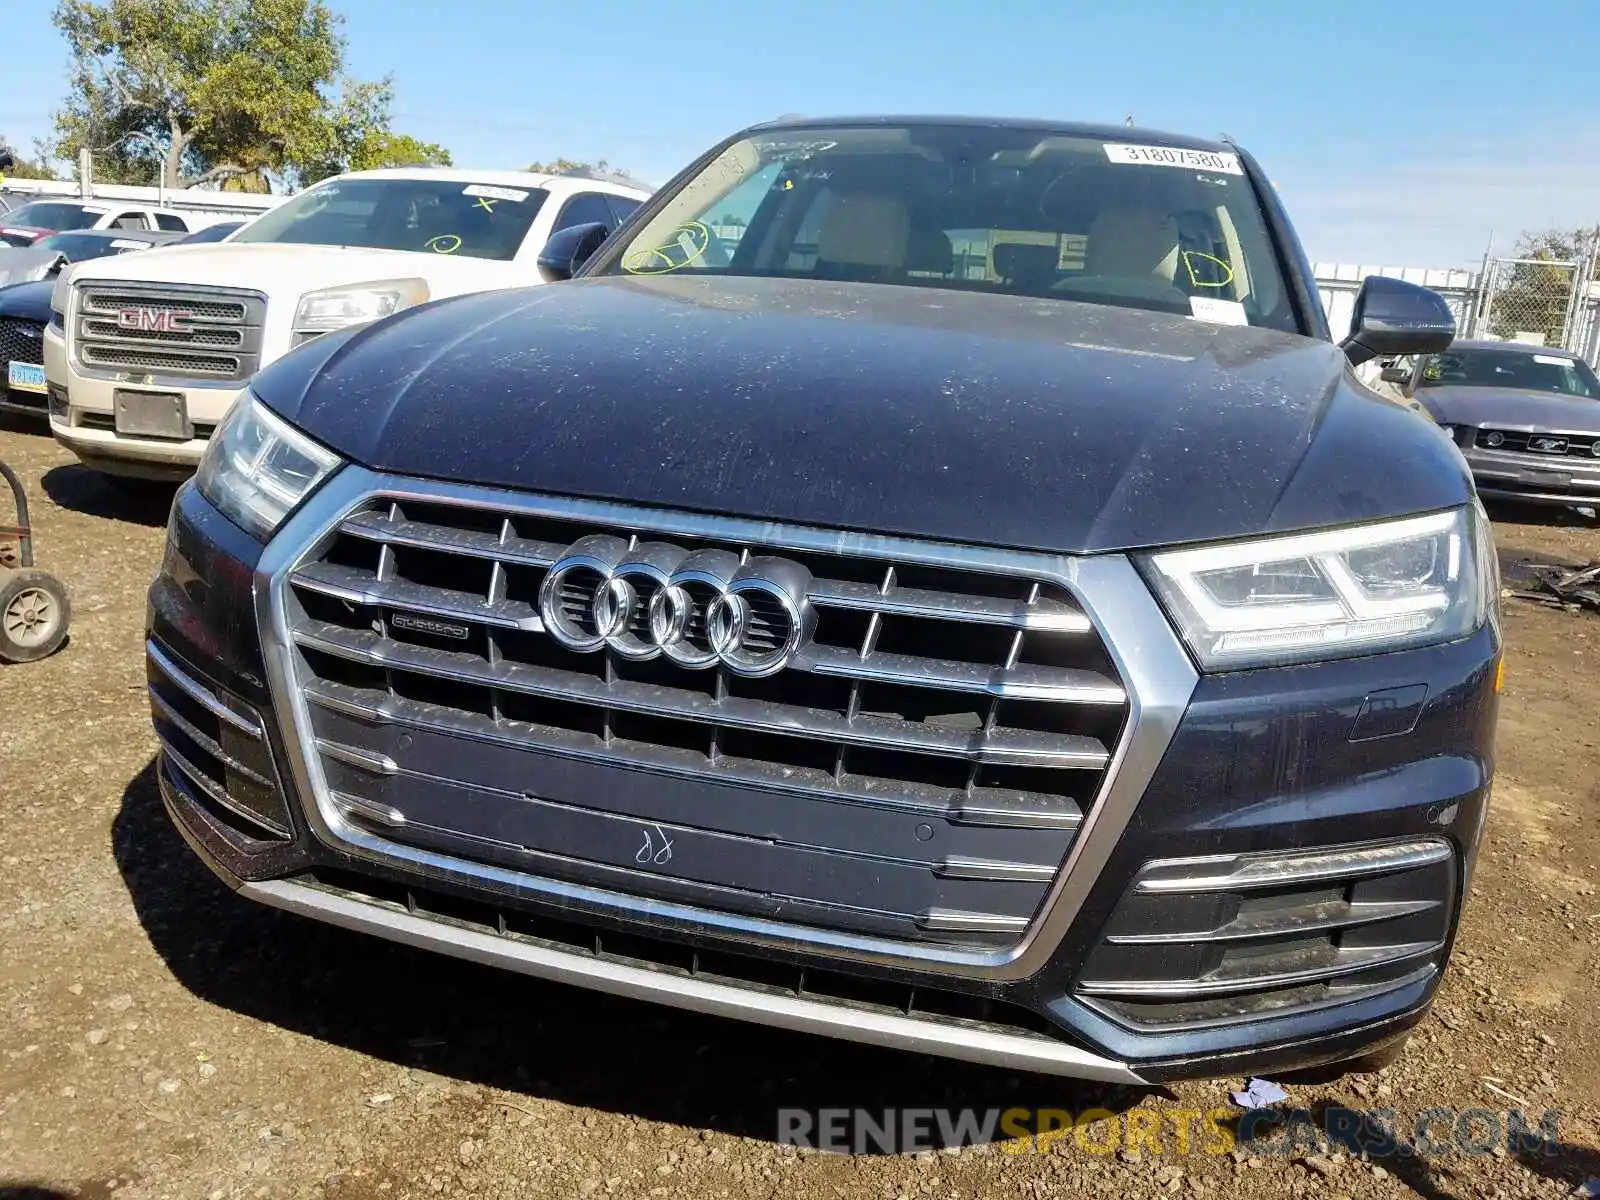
{"x": 214, "y": 751}
{"x": 1237, "y": 937}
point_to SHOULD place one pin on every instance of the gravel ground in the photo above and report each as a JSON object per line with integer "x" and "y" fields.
{"x": 161, "y": 1037}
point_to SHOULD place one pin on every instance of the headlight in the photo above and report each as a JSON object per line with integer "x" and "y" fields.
{"x": 60, "y": 292}
{"x": 1334, "y": 594}
{"x": 257, "y": 468}
{"x": 336, "y": 308}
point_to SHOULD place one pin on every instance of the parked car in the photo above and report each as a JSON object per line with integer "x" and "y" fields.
{"x": 25, "y": 305}
{"x": 1525, "y": 417}
{"x": 151, "y": 355}
{"x": 24, "y": 312}
{"x": 40, "y": 218}
{"x": 213, "y": 233}
{"x": 835, "y": 610}
{"x": 24, "y": 264}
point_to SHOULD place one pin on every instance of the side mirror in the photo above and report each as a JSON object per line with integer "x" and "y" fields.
{"x": 568, "y": 249}
{"x": 1393, "y": 317}
{"x": 1395, "y": 375}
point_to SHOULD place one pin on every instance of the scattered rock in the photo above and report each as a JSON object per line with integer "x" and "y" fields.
{"x": 120, "y": 1003}
{"x": 1318, "y": 1164}
{"x": 379, "y": 1099}
{"x": 95, "y": 1037}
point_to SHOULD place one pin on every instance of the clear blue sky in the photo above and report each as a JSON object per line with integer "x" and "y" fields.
{"x": 1399, "y": 131}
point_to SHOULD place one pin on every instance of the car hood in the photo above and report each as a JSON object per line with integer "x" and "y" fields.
{"x": 924, "y": 412}
{"x": 25, "y": 264}
{"x": 284, "y": 268}
{"x": 1511, "y": 408}
{"x": 30, "y": 301}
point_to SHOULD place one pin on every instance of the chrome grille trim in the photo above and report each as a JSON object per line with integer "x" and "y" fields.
{"x": 222, "y": 343}
{"x": 956, "y": 807}
{"x": 1157, "y": 673}
{"x": 201, "y": 695}
{"x": 1000, "y": 746}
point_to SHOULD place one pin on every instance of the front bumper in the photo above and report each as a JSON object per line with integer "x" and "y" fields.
{"x": 1260, "y": 763}
{"x": 83, "y": 419}
{"x": 1555, "y": 480}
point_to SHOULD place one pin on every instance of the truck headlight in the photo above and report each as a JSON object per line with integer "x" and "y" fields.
{"x": 357, "y": 304}
{"x": 1338, "y": 593}
{"x": 60, "y": 291}
{"x": 257, "y": 468}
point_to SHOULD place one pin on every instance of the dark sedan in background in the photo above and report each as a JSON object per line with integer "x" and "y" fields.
{"x": 25, "y": 306}
{"x": 1527, "y": 418}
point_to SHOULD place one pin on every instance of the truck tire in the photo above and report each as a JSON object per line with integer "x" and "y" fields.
{"x": 34, "y": 612}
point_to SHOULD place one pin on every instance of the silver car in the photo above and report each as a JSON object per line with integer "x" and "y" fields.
{"x": 1526, "y": 418}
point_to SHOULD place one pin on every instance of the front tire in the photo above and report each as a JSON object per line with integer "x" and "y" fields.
{"x": 34, "y": 614}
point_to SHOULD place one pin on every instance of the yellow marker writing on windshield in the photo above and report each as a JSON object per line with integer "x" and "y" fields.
{"x": 445, "y": 243}
{"x": 486, "y": 204}
{"x": 1188, "y": 264}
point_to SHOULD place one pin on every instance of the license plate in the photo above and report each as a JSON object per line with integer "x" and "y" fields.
{"x": 152, "y": 414}
{"x": 25, "y": 377}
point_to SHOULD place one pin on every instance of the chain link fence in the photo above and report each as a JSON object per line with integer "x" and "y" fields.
{"x": 1527, "y": 299}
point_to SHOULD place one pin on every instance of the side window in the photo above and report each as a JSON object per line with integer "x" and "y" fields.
{"x": 622, "y": 207}
{"x": 171, "y": 223}
{"x": 130, "y": 220}
{"x": 583, "y": 209}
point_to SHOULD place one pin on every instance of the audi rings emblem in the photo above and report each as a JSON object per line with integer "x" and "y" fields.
{"x": 699, "y": 608}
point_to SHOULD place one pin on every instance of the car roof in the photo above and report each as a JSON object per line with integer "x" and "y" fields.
{"x": 1514, "y": 347}
{"x": 1105, "y": 133}
{"x": 526, "y": 179}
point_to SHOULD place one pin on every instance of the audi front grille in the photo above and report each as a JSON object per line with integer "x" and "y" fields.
{"x": 168, "y": 331}
{"x": 729, "y": 722}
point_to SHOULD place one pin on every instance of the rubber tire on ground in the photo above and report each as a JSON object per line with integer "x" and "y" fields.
{"x": 17, "y": 587}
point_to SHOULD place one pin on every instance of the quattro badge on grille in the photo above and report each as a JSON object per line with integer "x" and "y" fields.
{"x": 699, "y": 608}
{"x": 435, "y": 626}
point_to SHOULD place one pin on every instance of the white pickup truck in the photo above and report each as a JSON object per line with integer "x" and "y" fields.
{"x": 143, "y": 358}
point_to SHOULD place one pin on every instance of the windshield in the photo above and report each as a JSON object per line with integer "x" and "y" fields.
{"x": 1017, "y": 211}
{"x": 1520, "y": 369}
{"x": 45, "y": 214}
{"x": 79, "y": 246}
{"x": 429, "y": 216}
{"x": 211, "y": 233}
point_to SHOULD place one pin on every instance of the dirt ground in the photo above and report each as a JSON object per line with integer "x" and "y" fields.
{"x": 161, "y": 1037}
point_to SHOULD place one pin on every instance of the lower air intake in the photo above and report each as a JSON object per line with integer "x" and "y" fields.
{"x": 1206, "y": 941}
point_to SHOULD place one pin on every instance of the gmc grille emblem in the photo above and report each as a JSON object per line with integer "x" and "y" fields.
{"x": 154, "y": 320}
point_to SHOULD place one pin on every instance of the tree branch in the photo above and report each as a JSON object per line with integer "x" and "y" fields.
{"x": 221, "y": 171}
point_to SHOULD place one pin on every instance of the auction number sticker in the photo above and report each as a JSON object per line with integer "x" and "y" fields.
{"x": 1173, "y": 156}
{"x": 485, "y": 192}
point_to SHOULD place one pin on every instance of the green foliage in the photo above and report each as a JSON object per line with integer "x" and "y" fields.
{"x": 23, "y": 168}
{"x": 214, "y": 90}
